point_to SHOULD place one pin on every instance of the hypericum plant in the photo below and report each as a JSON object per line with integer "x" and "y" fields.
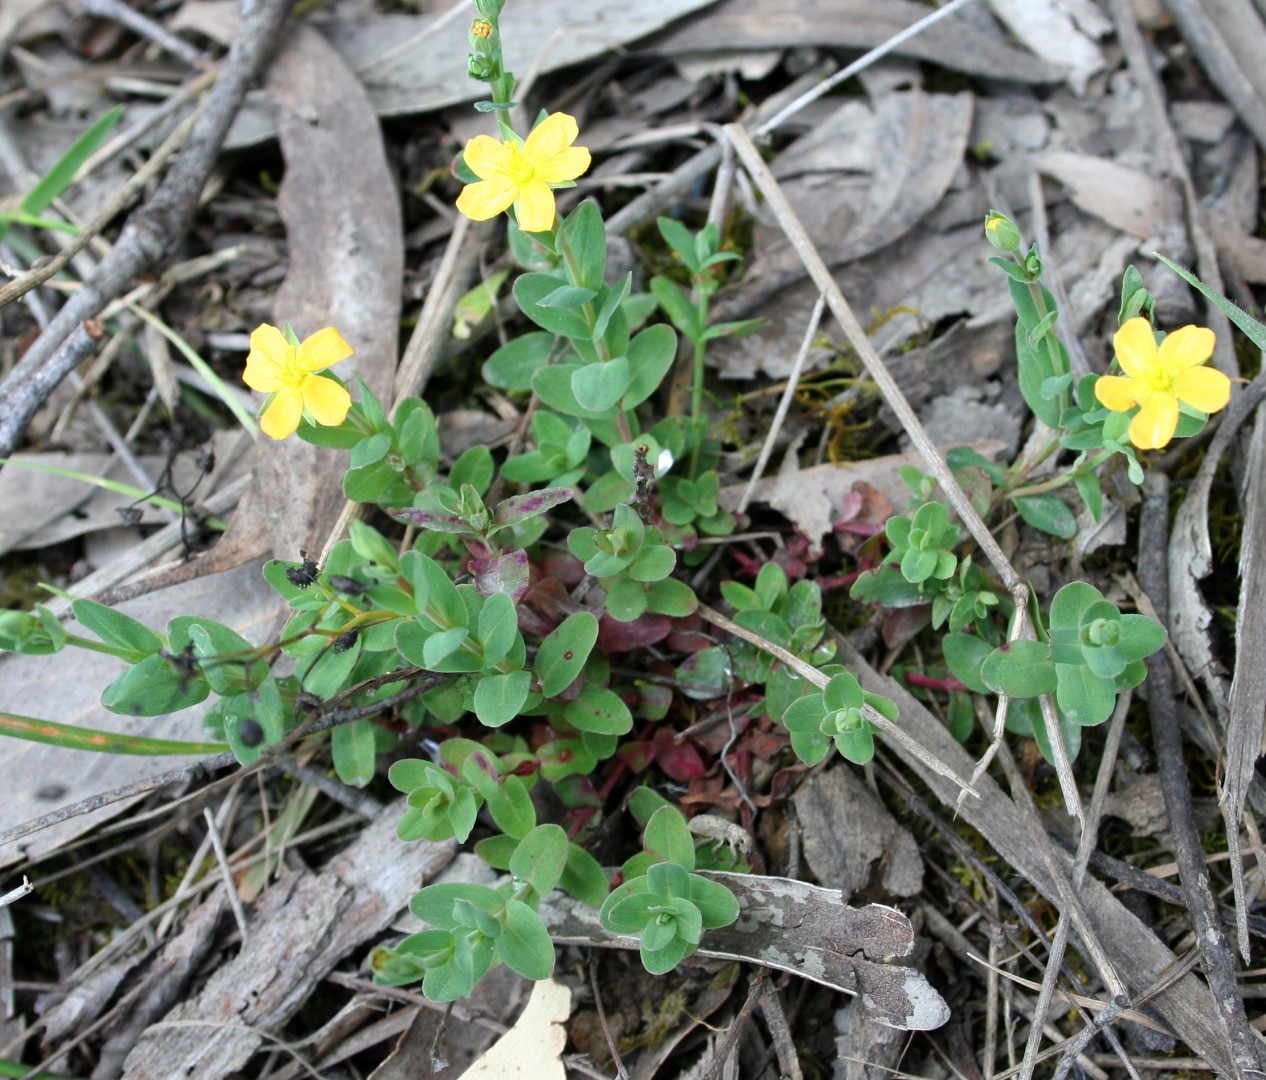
{"x": 1091, "y": 652}
{"x": 499, "y": 613}
{"x": 662, "y": 900}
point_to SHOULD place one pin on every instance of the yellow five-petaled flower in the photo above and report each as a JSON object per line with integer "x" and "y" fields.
{"x": 522, "y": 174}
{"x": 1157, "y": 379}
{"x": 289, "y": 373}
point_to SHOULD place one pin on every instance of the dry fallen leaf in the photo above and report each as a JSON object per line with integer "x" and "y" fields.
{"x": 533, "y": 1048}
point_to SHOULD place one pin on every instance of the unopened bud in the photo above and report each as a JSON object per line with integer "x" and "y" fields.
{"x": 1001, "y": 232}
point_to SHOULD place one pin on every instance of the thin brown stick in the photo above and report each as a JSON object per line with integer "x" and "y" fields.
{"x": 620, "y": 1071}
{"x": 1216, "y": 956}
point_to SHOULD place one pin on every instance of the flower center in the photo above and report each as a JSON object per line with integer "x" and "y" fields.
{"x": 1159, "y": 379}
{"x": 294, "y": 374}
{"x": 518, "y": 168}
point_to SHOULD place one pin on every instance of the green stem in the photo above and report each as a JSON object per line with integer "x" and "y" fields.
{"x": 1063, "y": 479}
{"x": 698, "y": 421}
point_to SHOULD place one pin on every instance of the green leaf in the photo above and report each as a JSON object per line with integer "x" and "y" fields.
{"x": 154, "y": 687}
{"x": 563, "y": 653}
{"x": 681, "y": 240}
{"x": 715, "y": 902}
{"x": 498, "y": 627}
{"x": 439, "y": 647}
{"x": 540, "y": 858}
{"x": 1084, "y": 697}
{"x": 1091, "y": 492}
{"x": 1034, "y": 369}
{"x": 668, "y": 837}
{"x": 583, "y": 877}
{"x": 117, "y": 629}
{"x": 511, "y": 808}
{"x": 1020, "y": 669}
{"x": 965, "y": 654}
{"x": 599, "y": 387}
{"x": 498, "y": 698}
{"x": 226, "y": 659}
{"x": 530, "y": 289}
{"x": 512, "y": 366}
{"x": 353, "y": 749}
{"x": 568, "y": 297}
{"x": 650, "y": 354}
{"x": 524, "y": 945}
{"x": 326, "y": 672}
{"x": 671, "y": 597}
{"x": 1049, "y": 513}
{"x": 653, "y": 563}
{"x": 435, "y": 905}
{"x": 677, "y": 306}
{"x": 583, "y": 236}
{"x": 600, "y": 711}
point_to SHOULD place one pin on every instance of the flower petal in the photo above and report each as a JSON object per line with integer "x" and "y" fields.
{"x": 1187, "y": 347}
{"x": 1136, "y": 347}
{"x": 322, "y": 349}
{"x": 485, "y": 156}
{"x": 551, "y": 136}
{"x": 1203, "y": 388}
{"x": 486, "y": 199}
{"x": 281, "y": 418}
{"x": 327, "y": 400}
{"x": 1154, "y": 425}
{"x": 1117, "y": 393}
{"x": 568, "y": 165}
{"x": 267, "y": 361}
{"x": 535, "y": 207}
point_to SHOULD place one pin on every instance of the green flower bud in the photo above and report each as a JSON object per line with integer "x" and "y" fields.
{"x": 1001, "y": 232}
{"x": 1101, "y": 633}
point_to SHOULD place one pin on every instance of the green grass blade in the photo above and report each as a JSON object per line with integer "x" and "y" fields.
{"x": 60, "y": 176}
{"x": 72, "y": 737}
{"x": 217, "y": 384}
{"x": 1253, "y": 330}
{"x": 117, "y": 486}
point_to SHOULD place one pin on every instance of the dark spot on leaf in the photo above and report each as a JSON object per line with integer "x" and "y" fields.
{"x": 569, "y": 655}
{"x": 250, "y": 733}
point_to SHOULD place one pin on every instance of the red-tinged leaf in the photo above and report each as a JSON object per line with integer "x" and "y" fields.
{"x": 435, "y": 520}
{"x": 690, "y": 635}
{"x": 636, "y": 755}
{"x": 615, "y": 636}
{"x": 680, "y": 761}
{"x": 653, "y": 701}
{"x": 521, "y": 507}
{"x": 546, "y": 604}
{"x": 903, "y": 624}
{"x": 506, "y": 573}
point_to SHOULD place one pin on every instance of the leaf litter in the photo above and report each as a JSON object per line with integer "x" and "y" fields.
{"x": 1030, "y": 105}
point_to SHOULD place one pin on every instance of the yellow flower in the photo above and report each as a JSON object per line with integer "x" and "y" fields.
{"x": 276, "y": 367}
{"x": 521, "y": 174}
{"x": 1157, "y": 379}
